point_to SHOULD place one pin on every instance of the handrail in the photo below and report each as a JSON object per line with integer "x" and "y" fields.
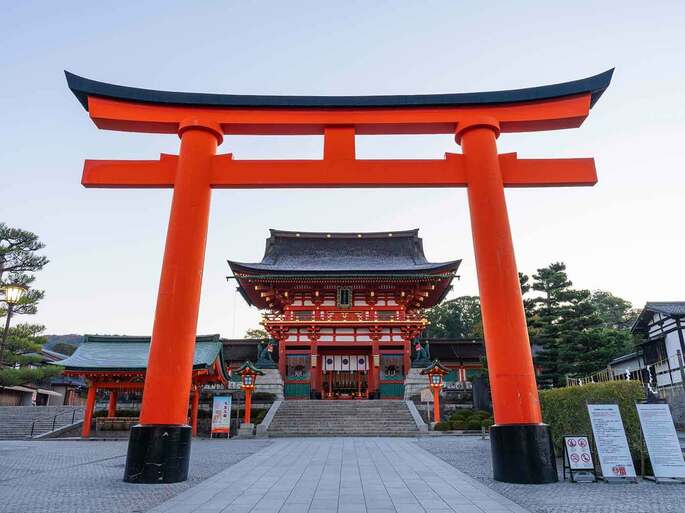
{"x": 54, "y": 419}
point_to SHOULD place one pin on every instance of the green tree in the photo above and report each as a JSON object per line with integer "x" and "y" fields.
{"x": 456, "y": 318}
{"x": 257, "y": 333}
{"x": 18, "y": 263}
{"x": 579, "y": 331}
{"x": 615, "y": 312}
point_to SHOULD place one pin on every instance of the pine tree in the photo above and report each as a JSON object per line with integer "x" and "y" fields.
{"x": 18, "y": 261}
{"x": 456, "y": 318}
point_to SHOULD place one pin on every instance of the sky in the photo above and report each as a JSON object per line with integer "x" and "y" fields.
{"x": 105, "y": 246}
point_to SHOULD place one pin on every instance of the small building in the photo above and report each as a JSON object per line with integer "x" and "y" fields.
{"x": 662, "y": 325}
{"x": 118, "y": 364}
{"x": 344, "y": 308}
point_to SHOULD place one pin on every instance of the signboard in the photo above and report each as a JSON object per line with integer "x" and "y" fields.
{"x": 662, "y": 441}
{"x": 221, "y": 415}
{"x": 427, "y": 395}
{"x": 611, "y": 442}
{"x": 578, "y": 458}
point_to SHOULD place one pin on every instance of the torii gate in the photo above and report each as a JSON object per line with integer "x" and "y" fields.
{"x": 159, "y": 448}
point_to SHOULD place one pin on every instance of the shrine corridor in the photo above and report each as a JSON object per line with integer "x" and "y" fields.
{"x": 343, "y": 475}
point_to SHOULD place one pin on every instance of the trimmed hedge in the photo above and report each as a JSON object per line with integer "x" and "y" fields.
{"x": 565, "y": 410}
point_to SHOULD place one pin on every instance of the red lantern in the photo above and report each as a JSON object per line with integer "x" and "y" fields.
{"x": 436, "y": 373}
{"x": 248, "y": 372}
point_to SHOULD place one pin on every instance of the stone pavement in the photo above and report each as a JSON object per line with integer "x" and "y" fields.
{"x": 58, "y": 476}
{"x": 343, "y": 475}
{"x": 472, "y": 456}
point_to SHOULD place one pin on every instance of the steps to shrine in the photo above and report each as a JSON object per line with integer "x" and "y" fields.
{"x": 16, "y": 421}
{"x": 414, "y": 383}
{"x": 343, "y": 418}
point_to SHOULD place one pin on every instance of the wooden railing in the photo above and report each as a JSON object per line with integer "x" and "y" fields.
{"x": 348, "y": 316}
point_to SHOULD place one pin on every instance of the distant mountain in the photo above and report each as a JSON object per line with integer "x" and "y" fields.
{"x": 65, "y": 344}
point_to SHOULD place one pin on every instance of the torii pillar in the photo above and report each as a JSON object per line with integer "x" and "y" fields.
{"x": 159, "y": 447}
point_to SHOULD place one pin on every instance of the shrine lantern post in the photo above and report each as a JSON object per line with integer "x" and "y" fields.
{"x": 159, "y": 447}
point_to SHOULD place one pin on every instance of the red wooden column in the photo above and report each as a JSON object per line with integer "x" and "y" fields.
{"x": 195, "y": 406}
{"x": 88, "y": 413}
{"x": 159, "y": 448}
{"x": 512, "y": 376}
{"x": 374, "y": 371}
{"x": 315, "y": 370}
{"x": 112, "y": 405}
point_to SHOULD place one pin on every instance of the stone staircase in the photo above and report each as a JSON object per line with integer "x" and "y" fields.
{"x": 16, "y": 421}
{"x": 343, "y": 418}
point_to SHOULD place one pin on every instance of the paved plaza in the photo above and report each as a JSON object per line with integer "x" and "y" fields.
{"x": 314, "y": 475}
{"x": 343, "y": 475}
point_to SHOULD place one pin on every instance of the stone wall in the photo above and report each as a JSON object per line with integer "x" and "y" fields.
{"x": 675, "y": 396}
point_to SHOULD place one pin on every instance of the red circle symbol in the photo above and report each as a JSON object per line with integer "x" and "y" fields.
{"x": 586, "y": 457}
{"x": 571, "y": 442}
{"x": 575, "y": 458}
{"x": 582, "y": 442}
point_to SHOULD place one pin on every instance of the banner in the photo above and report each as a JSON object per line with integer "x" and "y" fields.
{"x": 221, "y": 414}
{"x": 662, "y": 441}
{"x": 611, "y": 442}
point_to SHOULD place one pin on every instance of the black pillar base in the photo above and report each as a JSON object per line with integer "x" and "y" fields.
{"x": 523, "y": 453}
{"x": 158, "y": 454}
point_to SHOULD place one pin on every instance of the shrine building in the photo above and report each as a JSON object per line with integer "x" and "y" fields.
{"x": 344, "y": 308}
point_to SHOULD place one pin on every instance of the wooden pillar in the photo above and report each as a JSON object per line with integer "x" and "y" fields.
{"x": 406, "y": 351}
{"x": 112, "y": 405}
{"x": 282, "y": 361}
{"x": 194, "y": 409}
{"x": 510, "y": 363}
{"x": 248, "y": 406}
{"x": 88, "y": 413}
{"x": 436, "y": 404}
{"x": 374, "y": 370}
{"x": 314, "y": 367}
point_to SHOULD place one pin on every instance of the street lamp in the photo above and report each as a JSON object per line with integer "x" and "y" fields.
{"x": 14, "y": 293}
{"x": 248, "y": 372}
{"x": 436, "y": 373}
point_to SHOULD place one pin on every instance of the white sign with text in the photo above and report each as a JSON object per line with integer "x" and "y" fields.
{"x": 221, "y": 414}
{"x": 613, "y": 452}
{"x": 662, "y": 441}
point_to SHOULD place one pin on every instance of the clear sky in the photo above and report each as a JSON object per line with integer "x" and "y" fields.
{"x": 624, "y": 235}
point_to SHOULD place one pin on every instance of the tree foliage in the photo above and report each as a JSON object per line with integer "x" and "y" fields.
{"x": 456, "y": 318}
{"x": 19, "y": 260}
{"x": 257, "y": 333}
{"x": 579, "y": 331}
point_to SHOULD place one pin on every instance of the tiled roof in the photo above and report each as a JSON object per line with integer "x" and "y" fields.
{"x": 321, "y": 252}
{"x": 111, "y": 353}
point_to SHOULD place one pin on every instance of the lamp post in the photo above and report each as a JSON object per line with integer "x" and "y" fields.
{"x": 248, "y": 372}
{"x": 14, "y": 293}
{"x": 436, "y": 373}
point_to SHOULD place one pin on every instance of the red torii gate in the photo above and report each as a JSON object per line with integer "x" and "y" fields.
{"x": 159, "y": 447}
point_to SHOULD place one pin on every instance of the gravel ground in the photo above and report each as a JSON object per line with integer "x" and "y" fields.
{"x": 86, "y": 476}
{"x": 471, "y": 455}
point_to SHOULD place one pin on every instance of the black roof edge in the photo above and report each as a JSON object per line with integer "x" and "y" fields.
{"x": 84, "y": 87}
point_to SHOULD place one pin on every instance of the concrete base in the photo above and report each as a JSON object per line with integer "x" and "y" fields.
{"x": 158, "y": 454}
{"x": 414, "y": 383}
{"x": 271, "y": 382}
{"x": 523, "y": 453}
{"x": 246, "y": 431}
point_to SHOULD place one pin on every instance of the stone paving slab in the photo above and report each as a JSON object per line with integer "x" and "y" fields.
{"x": 342, "y": 475}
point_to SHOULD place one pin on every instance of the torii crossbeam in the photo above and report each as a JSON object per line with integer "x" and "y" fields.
{"x": 159, "y": 447}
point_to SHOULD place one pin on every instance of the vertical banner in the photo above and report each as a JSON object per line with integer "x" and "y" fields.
{"x": 345, "y": 363}
{"x": 221, "y": 414}
{"x": 662, "y": 442}
{"x": 611, "y": 442}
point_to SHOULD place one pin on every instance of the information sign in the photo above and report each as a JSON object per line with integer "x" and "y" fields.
{"x": 662, "y": 441}
{"x": 611, "y": 442}
{"x": 578, "y": 459}
{"x": 221, "y": 415}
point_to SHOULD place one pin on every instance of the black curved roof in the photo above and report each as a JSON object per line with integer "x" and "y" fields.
{"x": 84, "y": 87}
{"x": 358, "y": 252}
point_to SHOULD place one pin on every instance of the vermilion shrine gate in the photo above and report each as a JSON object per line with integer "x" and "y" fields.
{"x": 159, "y": 447}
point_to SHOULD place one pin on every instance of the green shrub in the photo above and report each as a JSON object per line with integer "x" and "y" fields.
{"x": 458, "y": 424}
{"x": 473, "y": 424}
{"x": 461, "y": 415}
{"x": 565, "y": 409}
{"x": 481, "y": 414}
{"x": 442, "y": 426}
{"x": 487, "y": 422}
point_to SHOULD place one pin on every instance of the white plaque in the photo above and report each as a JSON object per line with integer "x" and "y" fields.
{"x": 662, "y": 441}
{"x": 612, "y": 445}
